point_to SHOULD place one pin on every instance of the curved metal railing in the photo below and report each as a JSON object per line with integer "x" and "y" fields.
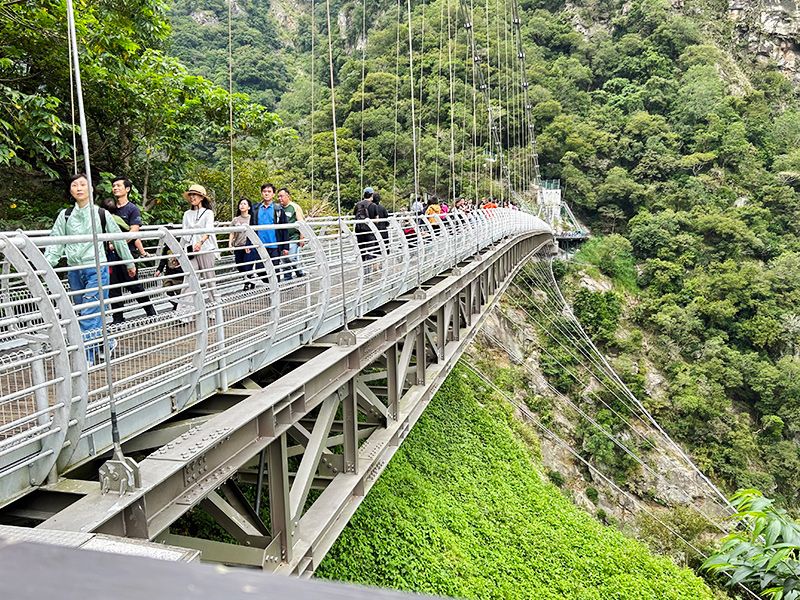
{"x": 189, "y": 332}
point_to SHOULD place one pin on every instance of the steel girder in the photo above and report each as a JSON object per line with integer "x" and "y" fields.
{"x": 331, "y": 424}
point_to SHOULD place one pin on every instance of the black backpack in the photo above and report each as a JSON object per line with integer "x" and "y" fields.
{"x": 101, "y": 211}
{"x": 362, "y": 212}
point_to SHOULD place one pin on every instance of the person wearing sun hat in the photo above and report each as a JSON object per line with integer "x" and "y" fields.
{"x": 201, "y": 246}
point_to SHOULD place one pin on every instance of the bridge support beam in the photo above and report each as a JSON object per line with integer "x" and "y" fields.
{"x": 280, "y": 519}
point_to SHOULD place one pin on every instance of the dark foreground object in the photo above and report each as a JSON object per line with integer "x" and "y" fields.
{"x": 36, "y": 571}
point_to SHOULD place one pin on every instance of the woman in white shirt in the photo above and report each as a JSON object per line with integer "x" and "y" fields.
{"x": 202, "y": 246}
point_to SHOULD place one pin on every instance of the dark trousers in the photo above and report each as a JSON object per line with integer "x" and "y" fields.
{"x": 275, "y": 255}
{"x": 119, "y": 274}
{"x": 244, "y": 260}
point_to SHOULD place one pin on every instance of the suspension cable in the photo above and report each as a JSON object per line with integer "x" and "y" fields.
{"x": 473, "y": 65}
{"x": 421, "y": 77}
{"x": 230, "y": 101}
{"x": 336, "y": 163}
{"x": 313, "y": 93}
{"x": 452, "y": 102}
{"x": 438, "y": 99}
{"x": 610, "y": 436}
{"x": 630, "y": 394}
{"x": 72, "y": 105}
{"x": 363, "y": 91}
{"x": 112, "y": 404}
{"x": 413, "y": 105}
{"x": 464, "y": 129}
{"x": 505, "y": 107}
{"x": 553, "y": 324}
{"x": 488, "y": 97}
{"x": 466, "y": 13}
{"x": 396, "y": 102}
{"x": 631, "y": 398}
{"x": 517, "y": 23}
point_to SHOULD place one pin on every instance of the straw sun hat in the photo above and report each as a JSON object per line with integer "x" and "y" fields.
{"x": 196, "y": 189}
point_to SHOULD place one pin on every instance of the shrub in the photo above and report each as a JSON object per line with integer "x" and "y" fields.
{"x": 556, "y": 477}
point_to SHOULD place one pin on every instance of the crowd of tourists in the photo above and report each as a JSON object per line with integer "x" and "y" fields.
{"x": 117, "y": 272}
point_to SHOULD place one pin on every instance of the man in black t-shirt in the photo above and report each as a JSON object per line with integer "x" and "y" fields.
{"x": 129, "y": 213}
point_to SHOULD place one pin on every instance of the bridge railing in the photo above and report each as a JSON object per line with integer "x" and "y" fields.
{"x": 193, "y": 323}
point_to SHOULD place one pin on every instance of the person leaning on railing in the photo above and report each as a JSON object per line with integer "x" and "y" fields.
{"x": 83, "y": 279}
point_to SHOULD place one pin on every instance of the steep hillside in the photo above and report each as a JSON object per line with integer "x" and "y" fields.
{"x": 462, "y": 511}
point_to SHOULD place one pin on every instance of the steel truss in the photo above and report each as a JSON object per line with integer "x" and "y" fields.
{"x": 317, "y": 438}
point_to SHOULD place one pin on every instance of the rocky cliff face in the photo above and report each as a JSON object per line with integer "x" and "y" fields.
{"x": 771, "y": 31}
{"x": 666, "y": 484}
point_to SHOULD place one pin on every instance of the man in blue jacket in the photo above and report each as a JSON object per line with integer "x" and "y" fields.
{"x": 264, "y": 214}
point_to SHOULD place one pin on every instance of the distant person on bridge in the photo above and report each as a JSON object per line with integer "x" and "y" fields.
{"x": 290, "y": 213}
{"x": 264, "y": 214}
{"x": 417, "y": 207}
{"x": 83, "y": 282}
{"x": 130, "y": 214}
{"x": 363, "y": 212}
{"x": 379, "y": 214}
{"x": 243, "y": 255}
{"x": 202, "y": 246}
{"x": 434, "y": 209}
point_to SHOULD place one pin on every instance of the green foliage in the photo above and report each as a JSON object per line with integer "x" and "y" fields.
{"x": 598, "y": 312}
{"x": 461, "y": 512}
{"x": 766, "y": 556}
{"x": 148, "y": 116}
{"x": 556, "y": 478}
{"x": 612, "y": 255}
{"x": 658, "y": 531}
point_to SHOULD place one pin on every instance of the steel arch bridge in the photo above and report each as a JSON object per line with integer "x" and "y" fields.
{"x": 305, "y": 386}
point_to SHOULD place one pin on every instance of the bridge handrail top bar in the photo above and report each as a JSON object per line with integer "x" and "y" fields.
{"x": 148, "y": 231}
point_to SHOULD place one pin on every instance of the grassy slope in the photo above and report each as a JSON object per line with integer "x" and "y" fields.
{"x": 461, "y": 511}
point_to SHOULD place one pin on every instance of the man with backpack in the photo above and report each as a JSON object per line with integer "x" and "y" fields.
{"x": 364, "y": 235}
{"x": 122, "y": 282}
{"x": 82, "y": 277}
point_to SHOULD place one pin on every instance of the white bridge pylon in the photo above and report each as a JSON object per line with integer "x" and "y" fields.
{"x": 412, "y": 288}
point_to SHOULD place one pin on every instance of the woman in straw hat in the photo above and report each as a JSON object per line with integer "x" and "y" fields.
{"x": 201, "y": 246}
